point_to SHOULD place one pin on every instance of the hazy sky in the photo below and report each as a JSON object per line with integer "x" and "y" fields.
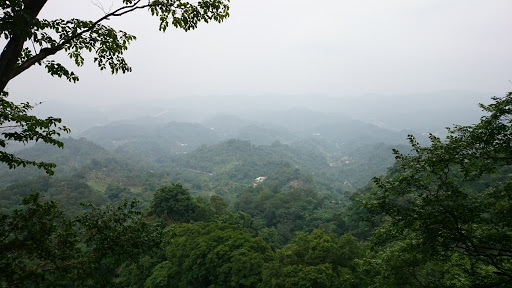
{"x": 338, "y": 48}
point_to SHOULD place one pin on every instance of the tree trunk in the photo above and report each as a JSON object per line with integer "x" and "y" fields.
{"x": 14, "y": 46}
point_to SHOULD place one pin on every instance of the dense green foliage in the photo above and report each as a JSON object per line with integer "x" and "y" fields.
{"x": 40, "y": 247}
{"x": 447, "y": 207}
{"x": 314, "y": 260}
{"x": 210, "y": 255}
{"x": 440, "y": 217}
{"x": 174, "y": 204}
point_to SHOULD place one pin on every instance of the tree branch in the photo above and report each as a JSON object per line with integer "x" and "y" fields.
{"x": 45, "y": 52}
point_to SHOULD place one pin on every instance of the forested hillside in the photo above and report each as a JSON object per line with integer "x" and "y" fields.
{"x": 140, "y": 155}
{"x": 236, "y": 214}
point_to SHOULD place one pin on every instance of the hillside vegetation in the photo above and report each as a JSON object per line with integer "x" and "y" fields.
{"x": 299, "y": 209}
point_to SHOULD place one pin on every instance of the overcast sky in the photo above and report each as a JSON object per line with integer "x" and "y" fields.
{"x": 338, "y": 48}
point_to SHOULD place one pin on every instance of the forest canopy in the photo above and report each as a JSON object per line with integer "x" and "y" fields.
{"x": 447, "y": 206}
{"x": 439, "y": 218}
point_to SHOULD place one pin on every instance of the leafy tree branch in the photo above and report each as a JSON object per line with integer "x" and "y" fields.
{"x": 452, "y": 199}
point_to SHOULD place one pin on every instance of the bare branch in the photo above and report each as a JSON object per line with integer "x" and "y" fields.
{"x": 98, "y": 4}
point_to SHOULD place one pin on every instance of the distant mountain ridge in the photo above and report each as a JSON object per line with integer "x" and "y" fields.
{"x": 421, "y": 112}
